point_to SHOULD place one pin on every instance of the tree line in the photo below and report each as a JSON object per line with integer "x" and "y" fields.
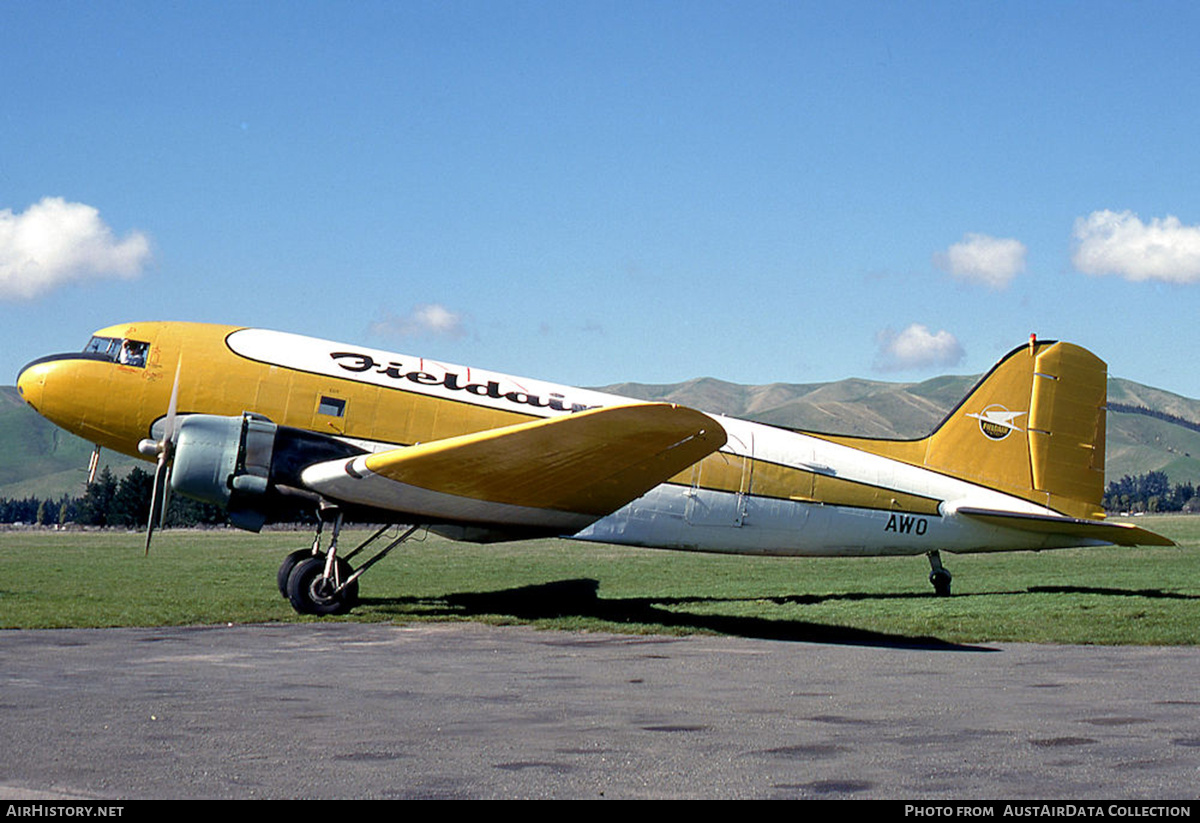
{"x": 1150, "y": 492}
{"x": 123, "y": 503}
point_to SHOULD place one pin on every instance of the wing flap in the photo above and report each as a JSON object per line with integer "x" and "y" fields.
{"x": 556, "y": 472}
{"x": 1122, "y": 534}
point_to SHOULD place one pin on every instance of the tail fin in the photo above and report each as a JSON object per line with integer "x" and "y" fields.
{"x": 1033, "y": 427}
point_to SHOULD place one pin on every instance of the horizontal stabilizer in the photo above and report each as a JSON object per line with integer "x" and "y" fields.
{"x": 1122, "y": 534}
{"x": 563, "y": 472}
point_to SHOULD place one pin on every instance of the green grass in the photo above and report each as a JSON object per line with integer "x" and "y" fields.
{"x": 1101, "y": 596}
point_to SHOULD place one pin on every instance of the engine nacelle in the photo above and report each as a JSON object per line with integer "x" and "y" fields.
{"x": 226, "y": 461}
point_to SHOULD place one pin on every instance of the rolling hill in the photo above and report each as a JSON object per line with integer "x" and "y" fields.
{"x": 1148, "y": 429}
{"x": 38, "y": 459}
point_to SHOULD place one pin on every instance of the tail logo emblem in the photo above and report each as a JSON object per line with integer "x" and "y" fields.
{"x": 997, "y": 422}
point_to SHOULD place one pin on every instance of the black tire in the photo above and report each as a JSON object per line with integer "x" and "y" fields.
{"x": 310, "y": 593}
{"x": 285, "y": 568}
{"x": 941, "y": 583}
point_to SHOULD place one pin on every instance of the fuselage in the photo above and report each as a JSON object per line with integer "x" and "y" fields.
{"x": 767, "y": 491}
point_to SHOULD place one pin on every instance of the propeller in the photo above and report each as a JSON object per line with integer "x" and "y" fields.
{"x": 164, "y": 451}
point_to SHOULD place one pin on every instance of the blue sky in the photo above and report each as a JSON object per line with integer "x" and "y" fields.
{"x": 592, "y": 192}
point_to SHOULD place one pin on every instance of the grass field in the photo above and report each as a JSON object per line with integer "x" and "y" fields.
{"x": 1099, "y": 596}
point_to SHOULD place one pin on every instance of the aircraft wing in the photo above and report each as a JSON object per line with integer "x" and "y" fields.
{"x": 561, "y": 473}
{"x": 1122, "y": 534}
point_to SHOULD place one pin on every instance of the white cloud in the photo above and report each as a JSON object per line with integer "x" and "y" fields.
{"x": 426, "y": 319}
{"x": 55, "y": 242}
{"x": 978, "y": 258}
{"x": 1108, "y": 242}
{"x": 916, "y": 348}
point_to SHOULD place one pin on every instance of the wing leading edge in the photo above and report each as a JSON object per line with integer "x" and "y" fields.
{"x": 561, "y": 473}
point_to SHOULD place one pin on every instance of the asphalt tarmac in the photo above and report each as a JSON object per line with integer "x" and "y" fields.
{"x": 470, "y": 711}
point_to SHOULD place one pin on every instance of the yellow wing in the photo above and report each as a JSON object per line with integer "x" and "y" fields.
{"x": 563, "y": 473}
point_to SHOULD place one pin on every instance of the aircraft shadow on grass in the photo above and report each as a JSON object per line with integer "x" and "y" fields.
{"x": 579, "y": 598}
{"x": 1158, "y": 594}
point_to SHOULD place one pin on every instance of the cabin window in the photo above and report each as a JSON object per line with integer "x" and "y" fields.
{"x": 332, "y": 406}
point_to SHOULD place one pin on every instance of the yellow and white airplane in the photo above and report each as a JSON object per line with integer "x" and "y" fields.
{"x": 250, "y": 419}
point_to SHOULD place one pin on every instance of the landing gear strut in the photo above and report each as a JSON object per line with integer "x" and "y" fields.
{"x": 939, "y": 575}
{"x": 321, "y": 584}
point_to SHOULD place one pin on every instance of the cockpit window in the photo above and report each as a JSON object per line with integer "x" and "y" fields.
{"x": 108, "y": 346}
{"x": 125, "y": 352}
{"x": 133, "y": 353}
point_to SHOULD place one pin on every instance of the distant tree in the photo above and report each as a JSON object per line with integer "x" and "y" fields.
{"x": 18, "y": 511}
{"x": 1153, "y": 484}
{"x": 1181, "y": 494}
{"x": 96, "y": 505}
{"x": 131, "y": 503}
{"x": 184, "y": 512}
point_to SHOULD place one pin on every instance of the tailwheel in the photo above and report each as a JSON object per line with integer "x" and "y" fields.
{"x": 311, "y": 592}
{"x": 939, "y": 575}
{"x": 941, "y": 583}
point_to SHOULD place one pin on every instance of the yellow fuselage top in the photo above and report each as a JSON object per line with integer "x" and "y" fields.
{"x": 345, "y": 391}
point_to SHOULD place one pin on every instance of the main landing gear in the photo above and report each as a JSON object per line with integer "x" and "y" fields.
{"x": 322, "y": 583}
{"x": 939, "y": 575}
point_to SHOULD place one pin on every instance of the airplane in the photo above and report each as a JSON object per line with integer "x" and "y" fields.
{"x": 255, "y": 420}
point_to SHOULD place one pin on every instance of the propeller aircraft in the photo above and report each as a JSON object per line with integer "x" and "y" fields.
{"x": 255, "y": 420}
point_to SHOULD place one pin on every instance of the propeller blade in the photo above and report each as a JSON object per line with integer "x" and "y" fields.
{"x": 160, "y": 493}
{"x": 166, "y": 497}
{"x": 159, "y": 476}
{"x": 172, "y": 406}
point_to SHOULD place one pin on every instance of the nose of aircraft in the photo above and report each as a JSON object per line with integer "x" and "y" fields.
{"x": 31, "y": 383}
